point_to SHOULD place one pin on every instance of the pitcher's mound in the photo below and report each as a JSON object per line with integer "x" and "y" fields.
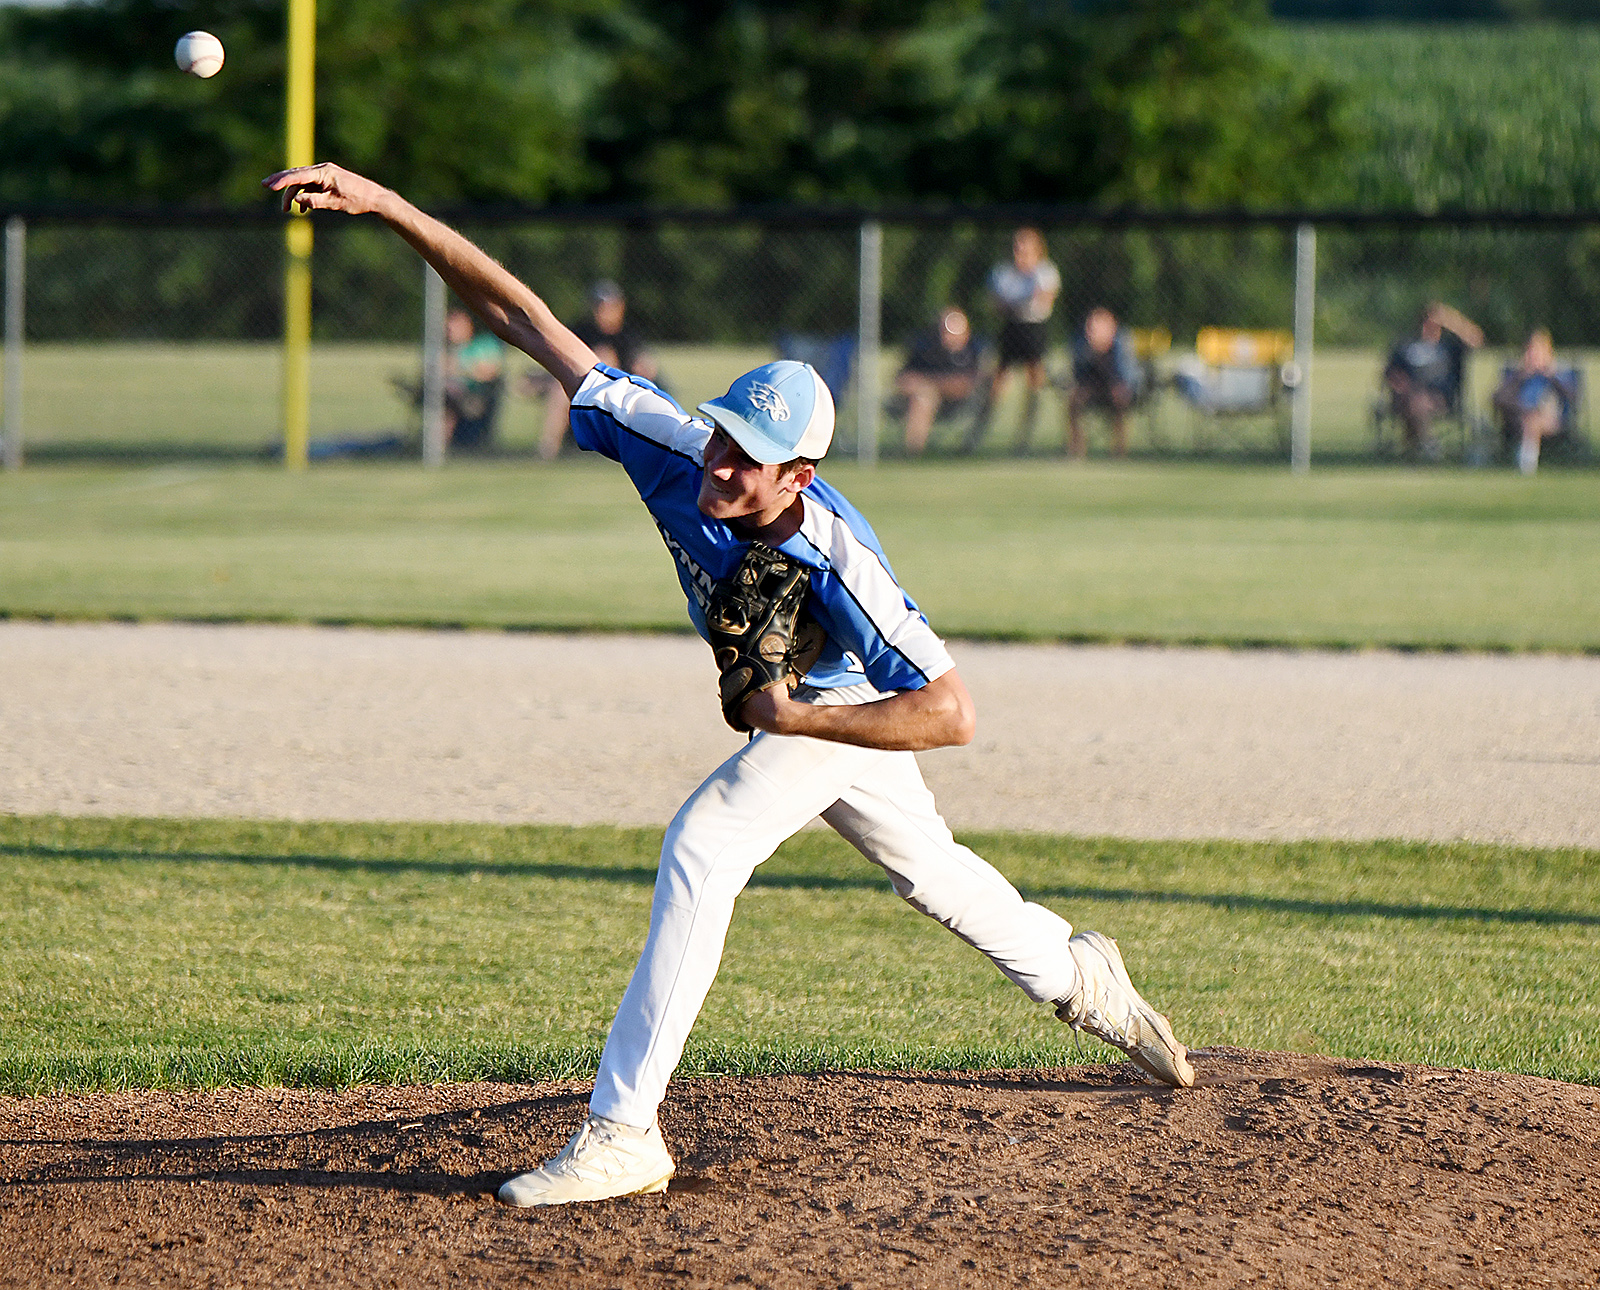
{"x": 1279, "y": 1169}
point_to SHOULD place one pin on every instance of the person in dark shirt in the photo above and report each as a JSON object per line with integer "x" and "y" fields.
{"x": 1105, "y": 374}
{"x": 942, "y": 365}
{"x": 1424, "y": 374}
{"x": 604, "y": 331}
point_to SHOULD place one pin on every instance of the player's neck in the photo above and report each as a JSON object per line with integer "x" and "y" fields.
{"x": 773, "y": 527}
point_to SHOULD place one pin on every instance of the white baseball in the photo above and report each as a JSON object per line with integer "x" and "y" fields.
{"x": 199, "y": 53}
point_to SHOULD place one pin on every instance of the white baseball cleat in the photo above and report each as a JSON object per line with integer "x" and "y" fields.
{"x": 1107, "y": 1006}
{"x": 604, "y": 1159}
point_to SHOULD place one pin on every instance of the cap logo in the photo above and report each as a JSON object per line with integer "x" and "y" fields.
{"x": 765, "y": 398}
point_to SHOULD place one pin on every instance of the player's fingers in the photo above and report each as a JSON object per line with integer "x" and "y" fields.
{"x": 304, "y": 197}
{"x": 298, "y": 195}
{"x": 313, "y": 199}
{"x": 281, "y": 178}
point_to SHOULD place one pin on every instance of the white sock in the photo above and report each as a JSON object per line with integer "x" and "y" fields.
{"x": 1528, "y": 456}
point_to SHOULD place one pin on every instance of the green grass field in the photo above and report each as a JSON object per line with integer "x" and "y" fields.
{"x": 171, "y": 400}
{"x": 1040, "y": 550}
{"x": 161, "y": 399}
{"x": 151, "y": 953}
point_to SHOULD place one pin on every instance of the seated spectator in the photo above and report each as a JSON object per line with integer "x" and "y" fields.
{"x": 605, "y": 332}
{"x": 1105, "y": 374}
{"x": 1533, "y": 399}
{"x": 941, "y": 367}
{"x": 474, "y": 375}
{"x": 1424, "y": 374}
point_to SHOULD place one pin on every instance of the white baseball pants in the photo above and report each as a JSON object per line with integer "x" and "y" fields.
{"x": 755, "y": 800}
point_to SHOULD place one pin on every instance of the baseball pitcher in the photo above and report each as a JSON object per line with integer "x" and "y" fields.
{"x": 823, "y": 657}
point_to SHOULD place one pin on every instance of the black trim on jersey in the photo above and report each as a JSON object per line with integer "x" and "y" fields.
{"x": 633, "y": 378}
{"x": 644, "y": 438}
{"x": 845, "y": 587}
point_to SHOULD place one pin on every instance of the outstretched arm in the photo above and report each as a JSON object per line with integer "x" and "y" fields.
{"x": 1456, "y": 321}
{"x": 511, "y": 310}
{"x": 940, "y": 715}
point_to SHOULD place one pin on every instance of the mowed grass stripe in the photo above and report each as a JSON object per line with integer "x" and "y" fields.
{"x": 197, "y": 953}
{"x": 997, "y": 550}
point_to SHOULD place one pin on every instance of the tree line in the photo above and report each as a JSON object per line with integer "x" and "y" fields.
{"x": 1155, "y": 103}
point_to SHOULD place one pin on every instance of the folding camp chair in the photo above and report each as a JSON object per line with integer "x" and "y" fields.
{"x": 1236, "y": 384}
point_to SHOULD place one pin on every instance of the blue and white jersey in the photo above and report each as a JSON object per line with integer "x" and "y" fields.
{"x": 875, "y": 631}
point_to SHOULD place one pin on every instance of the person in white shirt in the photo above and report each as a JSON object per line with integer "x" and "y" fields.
{"x": 1024, "y": 290}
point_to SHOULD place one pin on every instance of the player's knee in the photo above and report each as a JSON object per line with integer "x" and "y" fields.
{"x": 678, "y": 850}
{"x": 682, "y": 875}
{"x": 692, "y": 852}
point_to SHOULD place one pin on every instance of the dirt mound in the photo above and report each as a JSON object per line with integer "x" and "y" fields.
{"x": 1277, "y": 1169}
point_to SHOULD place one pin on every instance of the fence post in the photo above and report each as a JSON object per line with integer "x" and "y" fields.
{"x": 432, "y": 367}
{"x": 868, "y": 397}
{"x": 300, "y": 101}
{"x": 1305, "y": 308}
{"x": 11, "y": 419}
{"x": 297, "y": 343}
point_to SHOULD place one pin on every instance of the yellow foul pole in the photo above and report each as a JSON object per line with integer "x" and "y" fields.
{"x": 299, "y": 142}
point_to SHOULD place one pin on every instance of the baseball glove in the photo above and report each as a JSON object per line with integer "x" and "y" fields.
{"x": 761, "y": 634}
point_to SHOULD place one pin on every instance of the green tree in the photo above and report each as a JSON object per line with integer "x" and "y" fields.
{"x": 753, "y": 101}
{"x": 452, "y": 101}
{"x": 1156, "y": 103}
{"x": 1152, "y": 102}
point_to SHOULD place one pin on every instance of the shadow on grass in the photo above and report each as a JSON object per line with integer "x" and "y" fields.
{"x": 643, "y": 875}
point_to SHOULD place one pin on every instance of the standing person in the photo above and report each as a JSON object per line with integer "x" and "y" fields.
{"x": 840, "y": 747}
{"x": 1024, "y": 290}
{"x": 1105, "y": 374}
{"x": 942, "y": 366}
{"x": 1425, "y": 374}
{"x": 605, "y": 331}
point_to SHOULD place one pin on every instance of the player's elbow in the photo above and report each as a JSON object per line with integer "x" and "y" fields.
{"x": 963, "y": 724}
{"x": 958, "y": 714}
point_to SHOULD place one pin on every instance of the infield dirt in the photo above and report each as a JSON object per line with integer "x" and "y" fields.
{"x": 1275, "y": 1169}
{"x": 263, "y": 722}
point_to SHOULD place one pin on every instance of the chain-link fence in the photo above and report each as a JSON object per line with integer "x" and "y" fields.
{"x": 159, "y": 338}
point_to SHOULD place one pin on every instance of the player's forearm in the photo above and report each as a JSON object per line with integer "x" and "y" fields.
{"x": 513, "y": 311}
{"x": 1459, "y": 323}
{"x": 940, "y": 715}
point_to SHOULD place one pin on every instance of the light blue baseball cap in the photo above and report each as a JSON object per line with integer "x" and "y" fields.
{"x": 776, "y": 413}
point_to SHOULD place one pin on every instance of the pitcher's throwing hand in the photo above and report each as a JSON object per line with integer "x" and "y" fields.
{"x": 326, "y": 187}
